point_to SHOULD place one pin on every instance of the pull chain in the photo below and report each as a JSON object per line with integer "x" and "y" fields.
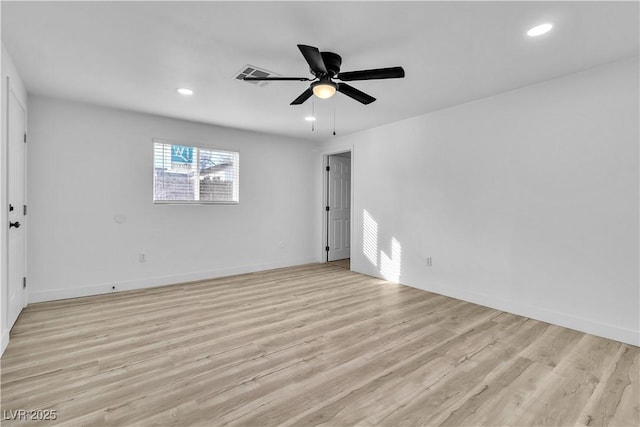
{"x": 334, "y": 121}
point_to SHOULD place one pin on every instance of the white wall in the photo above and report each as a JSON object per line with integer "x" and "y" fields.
{"x": 526, "y": 201}
{"x": 88, "y": 164}
{"x": 10, "y": 72}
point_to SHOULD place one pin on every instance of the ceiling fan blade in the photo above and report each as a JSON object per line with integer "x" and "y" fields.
{"x": 303, "y": 97}
{"x": 284, "y": 79}
{"x": 378, "y": 73}
{"x": 354, "y": 93}
{"x": 313, "y": 58}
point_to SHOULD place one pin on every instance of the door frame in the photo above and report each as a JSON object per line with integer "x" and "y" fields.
{"x": 12, "y": 95}
{"x": 8, "y": 90}
{"x": 325, "y": 199}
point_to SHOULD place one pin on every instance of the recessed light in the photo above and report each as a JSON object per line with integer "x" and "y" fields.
{"x": 185, "y": 91}
{"x": 310, "y": 119}
{"x": 539, "y": 30}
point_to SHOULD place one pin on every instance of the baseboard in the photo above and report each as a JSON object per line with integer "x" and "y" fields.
{"x": 105, "y": 288}
{"x": 614, "y": 332}
{"x": 629, "y": 336}
{"x": 4, "y": 341}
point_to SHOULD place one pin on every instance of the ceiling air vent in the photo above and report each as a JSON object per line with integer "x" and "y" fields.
{"x": 251, "y": 71}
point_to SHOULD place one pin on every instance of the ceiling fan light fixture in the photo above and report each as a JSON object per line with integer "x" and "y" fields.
{"x": 324, "y": 90}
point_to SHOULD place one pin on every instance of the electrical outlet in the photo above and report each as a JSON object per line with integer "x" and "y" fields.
{"x": 429, "y": 262}
{"x": 281, "y": 244}
{"x": 142, "y": 257}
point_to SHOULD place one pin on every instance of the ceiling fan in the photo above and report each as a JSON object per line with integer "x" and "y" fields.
{"x": 325, "y": 66}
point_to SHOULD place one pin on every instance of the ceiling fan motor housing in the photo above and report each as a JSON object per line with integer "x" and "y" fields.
{"x": 332, "y": 62}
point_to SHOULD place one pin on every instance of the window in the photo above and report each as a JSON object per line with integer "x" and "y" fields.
{"x": 186, "y": 174}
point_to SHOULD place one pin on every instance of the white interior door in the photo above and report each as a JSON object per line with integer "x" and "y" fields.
{"x": 16, "y": 194}
{"x": 339, "y": 215}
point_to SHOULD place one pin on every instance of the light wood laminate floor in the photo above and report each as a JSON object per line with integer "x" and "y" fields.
{"x": 344, "y": 263}
{"x": 309, "y": 345}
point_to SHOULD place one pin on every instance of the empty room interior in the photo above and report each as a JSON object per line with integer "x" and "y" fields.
{"x": 312, "y": 213}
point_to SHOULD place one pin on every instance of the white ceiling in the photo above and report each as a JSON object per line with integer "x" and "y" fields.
{"x": 133, "y": 55}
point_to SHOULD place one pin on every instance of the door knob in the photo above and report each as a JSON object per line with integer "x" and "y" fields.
{"x": 14, "y": 224}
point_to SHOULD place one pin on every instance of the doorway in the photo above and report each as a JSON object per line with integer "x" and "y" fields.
{"x": 16, "y": 167}
{"x": 338, "y": 207}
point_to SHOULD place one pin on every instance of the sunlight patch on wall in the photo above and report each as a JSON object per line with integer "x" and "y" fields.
{"x": 390, "y": 267}
{"x": 370, "y": 238}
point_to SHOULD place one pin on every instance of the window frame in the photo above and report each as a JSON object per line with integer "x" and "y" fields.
{"x": 196, "y": 146}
